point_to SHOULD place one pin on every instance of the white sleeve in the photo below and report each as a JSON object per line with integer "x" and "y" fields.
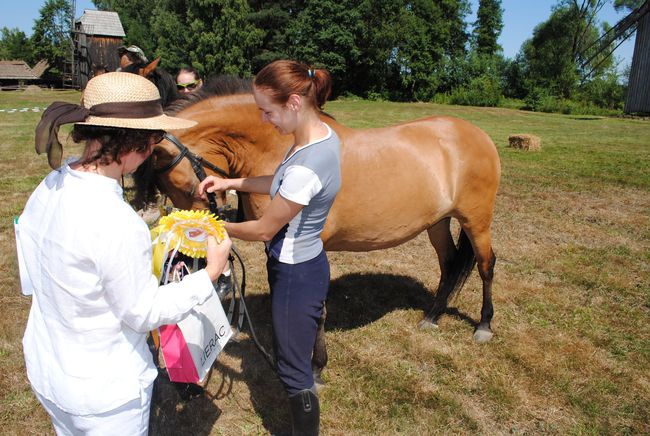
{"x": 132, "y": 290}
{"x": 300, "y": 184}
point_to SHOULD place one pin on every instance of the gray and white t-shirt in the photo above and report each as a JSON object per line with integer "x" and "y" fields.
{"x": 311, "y": 176}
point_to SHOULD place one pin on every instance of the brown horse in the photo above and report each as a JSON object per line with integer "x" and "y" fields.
{"x": 431, "y": 170}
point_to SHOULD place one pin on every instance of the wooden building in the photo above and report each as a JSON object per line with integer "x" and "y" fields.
{"x": 97, "y": 35}
{"x": 17, "y": 74}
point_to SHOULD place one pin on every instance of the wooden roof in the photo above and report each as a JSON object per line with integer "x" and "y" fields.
{"x": 16, "y": 70}
{"x": 105, "y": 23}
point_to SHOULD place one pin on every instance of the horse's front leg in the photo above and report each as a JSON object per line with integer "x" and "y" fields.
{"x": 319, "y": 356}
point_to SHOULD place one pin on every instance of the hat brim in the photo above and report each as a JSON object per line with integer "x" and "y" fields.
{"x": 161, "y": 122}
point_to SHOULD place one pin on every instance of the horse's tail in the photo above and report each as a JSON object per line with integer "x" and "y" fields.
{"x": 463, "y": 264}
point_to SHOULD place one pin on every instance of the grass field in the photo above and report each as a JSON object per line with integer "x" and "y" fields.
{"x": 571, "y": 351}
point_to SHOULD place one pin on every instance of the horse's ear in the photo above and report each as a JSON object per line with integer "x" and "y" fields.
{"x": 148, "y": 69}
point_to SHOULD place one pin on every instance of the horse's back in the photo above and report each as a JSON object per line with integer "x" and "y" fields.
{"x": 400, "y": 180}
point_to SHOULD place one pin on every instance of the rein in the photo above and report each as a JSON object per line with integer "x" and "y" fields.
{"x": 198, "y": 163}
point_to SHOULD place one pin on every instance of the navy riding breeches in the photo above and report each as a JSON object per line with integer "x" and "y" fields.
{"x": 298, "y": 293}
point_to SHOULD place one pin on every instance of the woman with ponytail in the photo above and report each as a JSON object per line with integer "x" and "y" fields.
{"x": 290, "y": 96}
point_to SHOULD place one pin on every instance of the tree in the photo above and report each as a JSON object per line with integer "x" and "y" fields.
{"x": 15, "y": 45}
{"x": 52, "y": 39}
{"x": 325, "y": 34}
{"x": 555, "y": 55}
{"x": 224, "y": 41}
{"x": 487, "y": 27}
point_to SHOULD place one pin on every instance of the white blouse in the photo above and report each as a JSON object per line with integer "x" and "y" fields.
{"x": 88, "y": 256}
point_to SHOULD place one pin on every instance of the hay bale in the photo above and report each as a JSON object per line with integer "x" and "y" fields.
{"x": 33, "y": 89}
{"x": 525, "y": 142}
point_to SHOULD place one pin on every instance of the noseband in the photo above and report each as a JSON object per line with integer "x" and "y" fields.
{"x": 197, "y": 163}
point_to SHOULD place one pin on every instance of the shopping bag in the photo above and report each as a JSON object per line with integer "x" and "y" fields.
{"x": 190, "y": 347}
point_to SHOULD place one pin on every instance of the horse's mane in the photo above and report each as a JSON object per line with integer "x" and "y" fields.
{"x": 161, "y": 78}
{"x": 214, "y": 86}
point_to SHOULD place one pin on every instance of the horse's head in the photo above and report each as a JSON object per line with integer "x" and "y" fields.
{"x": 176, "y": 171}
{"x": 161, "y": 78}
{"x": 229, "y": 135}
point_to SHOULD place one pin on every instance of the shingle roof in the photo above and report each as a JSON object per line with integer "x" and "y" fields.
{"x": 105, "y": 23}
{"x": 16, "y": 70}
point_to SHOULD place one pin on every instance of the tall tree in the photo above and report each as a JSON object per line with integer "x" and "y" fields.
{"x": 555, "y": 55}
{"x": 224, "y": 41}
{"x": 52, "y": 39}
{"x": 488, "y": 26}
{"x": 325, "y": 34}
{"x": 15, "y": 45}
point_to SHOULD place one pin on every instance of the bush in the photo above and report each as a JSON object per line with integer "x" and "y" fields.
{"x": 481, "y": 91}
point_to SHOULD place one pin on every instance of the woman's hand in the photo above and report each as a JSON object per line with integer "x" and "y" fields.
{"x": 217, "y": 256}
{"x": 212, "y": 184}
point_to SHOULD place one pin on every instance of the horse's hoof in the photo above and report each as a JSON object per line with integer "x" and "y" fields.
{"x": 427, "y": 325}
{"x": 318, "y": 382}
{"x": 482, "y": 336}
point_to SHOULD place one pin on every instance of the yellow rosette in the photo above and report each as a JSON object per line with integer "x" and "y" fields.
{"x": 186, "y": 229}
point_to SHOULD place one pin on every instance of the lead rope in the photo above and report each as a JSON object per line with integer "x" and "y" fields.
{"x": 242, "y": 309}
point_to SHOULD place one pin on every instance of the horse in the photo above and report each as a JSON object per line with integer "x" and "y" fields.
{"x": 158, "y": 76}
{"x": 431, "y": 170}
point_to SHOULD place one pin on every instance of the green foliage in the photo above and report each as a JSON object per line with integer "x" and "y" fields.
{"x": 383, "y": 49}
{"x": 481, "y": 91}
{"x": 223, "y": 37}
{"x": 488, "y": 26}
{"x": 15, "y": 45}
{"x": 51, "y": 39}
{"x": 324, "y": 34}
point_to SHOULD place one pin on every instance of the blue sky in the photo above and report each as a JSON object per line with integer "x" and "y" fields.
{"x": 520, "y": 18}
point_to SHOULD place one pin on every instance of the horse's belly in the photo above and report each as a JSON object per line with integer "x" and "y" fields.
{"x": 376, "y": 236}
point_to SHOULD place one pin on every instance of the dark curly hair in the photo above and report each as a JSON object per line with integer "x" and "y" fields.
{"x": 115, "y": 141}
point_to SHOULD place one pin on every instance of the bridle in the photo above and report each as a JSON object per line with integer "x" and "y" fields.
{"x": 198, "y": 163}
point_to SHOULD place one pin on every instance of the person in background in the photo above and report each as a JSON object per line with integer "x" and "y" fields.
{"x": 98, "y": 69}
{"x": 88, "y": 258}
{"x": 188, "y": 80}
{"x": 290, "y": 96}
{"x": 131, "y": 55}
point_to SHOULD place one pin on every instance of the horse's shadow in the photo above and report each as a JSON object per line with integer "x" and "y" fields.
{"x": 354, "y": 300}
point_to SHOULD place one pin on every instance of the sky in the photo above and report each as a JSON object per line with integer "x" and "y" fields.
{"x": 519, "y": 19}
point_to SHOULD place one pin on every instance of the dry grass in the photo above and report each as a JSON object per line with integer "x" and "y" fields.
{"x": 571, "y": 349}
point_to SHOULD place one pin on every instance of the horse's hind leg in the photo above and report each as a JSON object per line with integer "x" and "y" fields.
{"x": 443, "y": 243}
{"x": 319, "y": 356}
{"x": 485, "y": 260}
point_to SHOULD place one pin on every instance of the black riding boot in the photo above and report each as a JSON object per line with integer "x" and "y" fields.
{"x": 305, "y": 413}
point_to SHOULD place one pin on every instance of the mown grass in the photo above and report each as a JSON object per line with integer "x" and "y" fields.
{"x": 571, "y": 350}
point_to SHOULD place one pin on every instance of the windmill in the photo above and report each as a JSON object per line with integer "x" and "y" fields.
{"x": 638, "y": 93}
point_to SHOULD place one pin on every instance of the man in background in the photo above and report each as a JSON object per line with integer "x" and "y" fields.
{"x": 131, "y": 55}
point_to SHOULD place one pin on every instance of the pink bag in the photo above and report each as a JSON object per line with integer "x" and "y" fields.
{"x": 191, "y": 346}
{"x": 178, "y": 359}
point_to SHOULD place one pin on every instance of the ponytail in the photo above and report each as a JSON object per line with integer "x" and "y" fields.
{"x": 285, "y": 77}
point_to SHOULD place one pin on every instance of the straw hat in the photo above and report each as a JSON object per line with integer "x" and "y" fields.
{"x": 126, "y": 88}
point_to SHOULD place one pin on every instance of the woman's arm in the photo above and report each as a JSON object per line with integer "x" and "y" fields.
{"x": 276, "y": 216}
{"x": 254, "y": 185}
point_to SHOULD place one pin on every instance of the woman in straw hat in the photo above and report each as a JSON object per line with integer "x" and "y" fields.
{"x": 88, "y": 256}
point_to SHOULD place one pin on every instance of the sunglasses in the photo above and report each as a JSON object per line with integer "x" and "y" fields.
{"x": 190, "y": 85}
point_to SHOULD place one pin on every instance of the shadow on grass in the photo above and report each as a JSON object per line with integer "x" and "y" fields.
{"x": 354, "y": 300}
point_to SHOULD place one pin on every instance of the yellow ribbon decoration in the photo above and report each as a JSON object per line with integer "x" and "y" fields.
{"x": 187, "y": 229}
